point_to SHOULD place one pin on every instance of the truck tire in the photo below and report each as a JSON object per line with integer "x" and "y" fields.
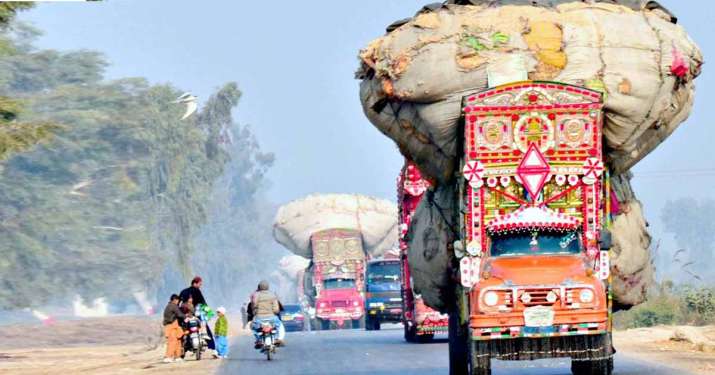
{"x": 324, "y": 324}
{"x": 480, "y": 358}
{"x": 425, "y": 338}
{"x": 410, "y": 333}
{"x": 458, "y": 348}
{"x": 372, "y": 324}
{"x": 602, "y": 366}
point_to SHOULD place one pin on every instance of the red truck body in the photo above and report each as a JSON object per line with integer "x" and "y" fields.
{"x": 420, "y": 321}
{"x": 337, "y": 281}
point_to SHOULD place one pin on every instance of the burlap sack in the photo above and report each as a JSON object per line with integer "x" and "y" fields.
{"x": 375, "y": 219}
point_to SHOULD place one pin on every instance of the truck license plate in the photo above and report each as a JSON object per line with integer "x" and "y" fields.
{"x": 538, "y": 316}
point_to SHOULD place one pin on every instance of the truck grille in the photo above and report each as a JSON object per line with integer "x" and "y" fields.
{"x": 538, "y": 297}
{"x": 339, "y": 304}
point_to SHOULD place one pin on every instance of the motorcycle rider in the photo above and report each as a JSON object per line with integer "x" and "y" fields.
{"x": 265, "y": 307}
{"x": 194, "y": 291}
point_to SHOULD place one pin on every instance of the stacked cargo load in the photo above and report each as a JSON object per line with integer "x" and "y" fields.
{"x": 338, "y": 233}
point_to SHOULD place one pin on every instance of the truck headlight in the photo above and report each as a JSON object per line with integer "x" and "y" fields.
{"x": 322, "y": 304}
{"x": 376, "y": 304}
{"x": 586, "y": 296}
{"x": 551, "y": 297}
{"x": 491, "y": 298}
{"x": 356, "y": 303}
{"x": 526, "y": 297}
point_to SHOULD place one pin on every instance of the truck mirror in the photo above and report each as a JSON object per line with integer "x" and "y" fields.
{"x": 606, "y": 240}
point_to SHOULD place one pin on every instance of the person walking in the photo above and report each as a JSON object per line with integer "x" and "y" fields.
{"x": 244, "y": 314}
{"x": 172, "y": 330}
{"x": 221, "y": 332}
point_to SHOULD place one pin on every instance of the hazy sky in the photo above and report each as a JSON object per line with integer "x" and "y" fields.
{"x": 294, "y": 61}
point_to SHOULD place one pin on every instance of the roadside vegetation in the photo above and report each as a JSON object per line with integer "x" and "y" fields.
{"x": 105, "y": 191}
{"x": 670, "y": 304}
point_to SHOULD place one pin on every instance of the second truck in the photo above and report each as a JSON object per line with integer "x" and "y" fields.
{"x": 420, "y": 322}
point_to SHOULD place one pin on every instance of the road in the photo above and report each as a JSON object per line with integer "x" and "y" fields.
{"x": 357, "y": 352}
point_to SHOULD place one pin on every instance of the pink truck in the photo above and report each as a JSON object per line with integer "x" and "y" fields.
{"x": 334, "y": 283}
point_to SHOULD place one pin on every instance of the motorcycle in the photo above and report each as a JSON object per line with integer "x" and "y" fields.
{"x": 196, "y": 339}
{"x": 267, "y": 335}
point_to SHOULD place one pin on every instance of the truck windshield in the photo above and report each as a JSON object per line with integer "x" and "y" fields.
{"x": 383, "y": 272}
{"x": 339, "y": 284}
{"x": 535, "y": 243}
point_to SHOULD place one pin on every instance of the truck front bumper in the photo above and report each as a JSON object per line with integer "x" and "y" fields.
{"x": 385, "y": 314}
{"x": 565, "y": 323}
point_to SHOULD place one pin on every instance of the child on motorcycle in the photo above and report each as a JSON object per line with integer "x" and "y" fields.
{"x": 221, "y": 333}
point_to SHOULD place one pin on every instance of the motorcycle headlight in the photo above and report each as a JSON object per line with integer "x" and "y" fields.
{"x": 491, "y": 298}
{"x": 586, "y": 296}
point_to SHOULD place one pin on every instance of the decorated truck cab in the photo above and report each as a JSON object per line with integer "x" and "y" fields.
{"x": 420, "y": 322}
{"x": 338, "y": 269}
{"x": 534, "y": 263}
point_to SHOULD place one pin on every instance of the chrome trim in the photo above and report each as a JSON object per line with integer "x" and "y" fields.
{"x": 515, "y": 289}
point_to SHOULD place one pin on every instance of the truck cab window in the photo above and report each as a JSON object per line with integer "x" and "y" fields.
{"x": 339, "y": 284}
{"x": 539, "y": 242}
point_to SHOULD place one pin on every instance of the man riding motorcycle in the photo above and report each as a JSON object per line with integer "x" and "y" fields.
{"x": 265, "y": 307}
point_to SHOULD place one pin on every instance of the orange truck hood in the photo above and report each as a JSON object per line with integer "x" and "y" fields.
{"x": 537, "y": 269}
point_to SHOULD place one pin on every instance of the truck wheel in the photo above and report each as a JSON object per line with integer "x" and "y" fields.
{"x": 324, "y": 324}
{"x": 480, "y": 358}
{"x": 372, "y": 324}
{"x": 458, "y": 348}
{"x": 599, "y": 366}
{"x": 427, "y": 337}
{"x": 410, "y": 333}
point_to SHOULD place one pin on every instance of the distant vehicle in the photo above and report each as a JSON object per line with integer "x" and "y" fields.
{"x": 293, "y": 318}
{"x": 383, "y": 300}
{"x": 335, "y": 283}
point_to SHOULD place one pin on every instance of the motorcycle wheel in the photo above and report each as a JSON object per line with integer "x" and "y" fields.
{"x": 269, "y": 354}
{"x": 198, "y": 352}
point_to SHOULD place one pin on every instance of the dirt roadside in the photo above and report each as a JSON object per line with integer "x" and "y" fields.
{"x": 116, "y": 345}
{"x": 688, "y": 348}
{"x": 132, "y": 345}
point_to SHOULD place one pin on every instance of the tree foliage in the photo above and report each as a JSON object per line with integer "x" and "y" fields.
{"x": 15, "y": 136}
{"x": 117, "y": 197}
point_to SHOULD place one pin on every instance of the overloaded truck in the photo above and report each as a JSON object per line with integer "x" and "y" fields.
{"x": 526, "y": 117}
{"x": 337, "y": 282}
{"x": 535, "y": 268}
{"x": 338, "y": 233}
{"x": 420, "y": 322}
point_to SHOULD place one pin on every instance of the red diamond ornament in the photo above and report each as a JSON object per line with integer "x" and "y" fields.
{"x": 533, "y": 170}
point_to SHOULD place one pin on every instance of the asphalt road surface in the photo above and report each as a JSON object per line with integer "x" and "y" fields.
{"x": 358, "y": 352}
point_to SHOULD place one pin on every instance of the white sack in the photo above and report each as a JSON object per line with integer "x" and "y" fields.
{"x": 375, "y": 219}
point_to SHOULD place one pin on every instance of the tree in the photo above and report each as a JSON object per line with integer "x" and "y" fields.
{"x": 116, "y": 198}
